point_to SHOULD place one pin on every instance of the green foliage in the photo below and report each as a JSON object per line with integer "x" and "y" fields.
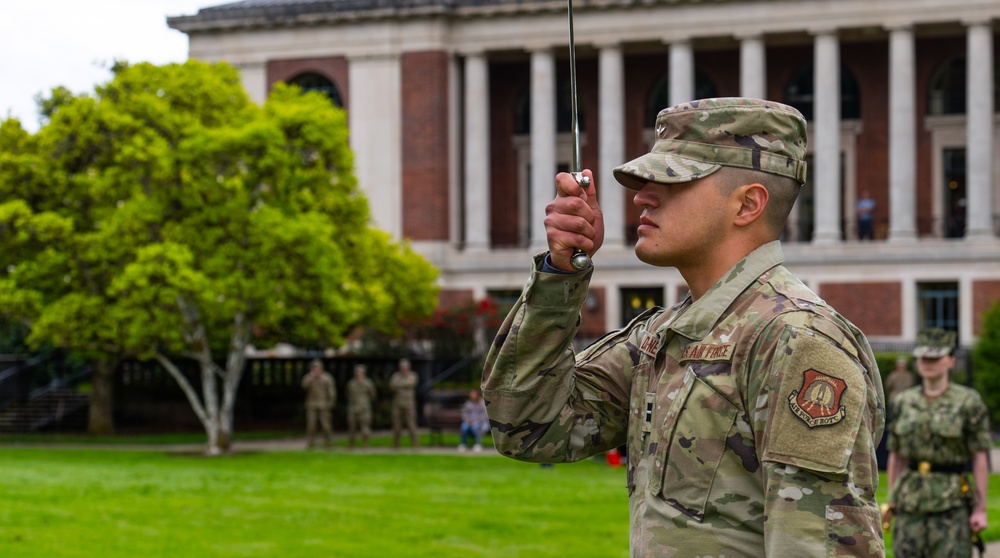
{"x": 986, "y": 362}
{"x": 168, "y": 189}
{"x": 167, "y": 214}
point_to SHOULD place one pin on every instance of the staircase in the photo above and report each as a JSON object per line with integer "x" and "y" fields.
{"x": 64, "y": 408}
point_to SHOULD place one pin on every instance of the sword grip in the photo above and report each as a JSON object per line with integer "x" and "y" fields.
{"x": 580, "y": 260}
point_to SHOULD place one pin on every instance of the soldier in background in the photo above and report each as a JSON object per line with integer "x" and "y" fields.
{"x": 750, "y": 408}
{"x": 937, "y": 430}
{"x": 360, "y": 395}
{"x": 321, "y": 396}
{"x": 403, "y": 384}
{"x": 898, "y": 380}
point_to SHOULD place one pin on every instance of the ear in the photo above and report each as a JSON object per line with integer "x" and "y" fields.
{"x": 752, "y": 199}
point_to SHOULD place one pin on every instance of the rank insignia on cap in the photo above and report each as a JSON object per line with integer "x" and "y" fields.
{"x": 817, "y": 402}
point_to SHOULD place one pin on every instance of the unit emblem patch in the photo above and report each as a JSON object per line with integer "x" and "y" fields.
{"x": 817, "y": 402}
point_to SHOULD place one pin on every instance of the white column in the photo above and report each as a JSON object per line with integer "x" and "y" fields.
{"x": 253, "y": 76}
{"x": 902, "y": 136}
{"x": 375, "y": 121}
{"x": 612, "y": 307}
{"x": 753, "y": 67}
{"x": 826, "y": 126}
{"x": 543, "y": 142}
{"x": 456, "y": 180}
{"x": 979, "y": 146}
{"x": 611, "y": 114}
{"x": 477, "y": 152}
{"x": 681, "y": 72}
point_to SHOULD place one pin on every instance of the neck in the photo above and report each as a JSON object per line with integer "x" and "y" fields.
{"x": 935, "y": 387}
{"x": 707, "y": 271}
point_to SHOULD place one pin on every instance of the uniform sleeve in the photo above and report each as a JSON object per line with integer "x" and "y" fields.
{"x": 545, "y": 403}
{"x": 978, "y": 425}
{"x": 813, "y": 422}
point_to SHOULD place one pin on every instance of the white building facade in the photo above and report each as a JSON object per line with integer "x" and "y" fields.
{"x": 458, "y": 115}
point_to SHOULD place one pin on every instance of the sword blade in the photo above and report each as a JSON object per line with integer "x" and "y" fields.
{"x": 580, "y": 260}
{"x": 575, "y": 113}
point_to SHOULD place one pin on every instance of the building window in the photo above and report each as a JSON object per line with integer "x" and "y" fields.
{"x": 799, "y": 93}
{"x": 938, "y": 305}
{"x": 659, "y": 96}
{"x": 947, "y": 93}
{"x": 315, "y": 82}
{"x": 636, "y": 300}
{"x": 953, "y": 164}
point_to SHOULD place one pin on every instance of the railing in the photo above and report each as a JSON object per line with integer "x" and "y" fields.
{"x": 39, "y": 375}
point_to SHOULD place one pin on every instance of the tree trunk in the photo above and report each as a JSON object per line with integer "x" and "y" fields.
{"x": 102, "y": 421}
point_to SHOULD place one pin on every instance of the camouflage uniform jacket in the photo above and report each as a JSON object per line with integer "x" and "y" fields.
{"x": 321, "y": 392}
{"x": 405, "y": 388}
{"x": 751, "y": 415}
{"x": 360, "y": 394}
{"x": 948, "y": 430}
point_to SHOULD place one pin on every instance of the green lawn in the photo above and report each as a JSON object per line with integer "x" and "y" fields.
{"x": 69, "y": 503}
{"x": 146, "y": 504}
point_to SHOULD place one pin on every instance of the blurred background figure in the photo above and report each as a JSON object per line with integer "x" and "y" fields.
{"x": 475, "y": 422}
{"x": 321, "y": 396}
{"x": 403, "y": 384}
{"x": 360, "y": 395}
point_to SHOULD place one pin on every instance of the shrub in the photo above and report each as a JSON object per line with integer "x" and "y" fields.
{"x": 986, "y": 362}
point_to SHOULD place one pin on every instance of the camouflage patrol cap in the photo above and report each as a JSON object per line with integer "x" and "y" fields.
{"x": 934, "y": 343}
{"x": 695, "y": 139}
{"x": 360, "y": 368}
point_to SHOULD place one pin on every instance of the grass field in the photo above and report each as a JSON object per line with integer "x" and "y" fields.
{"x": 111, "y": 504}
{"x": 95, "y": 502}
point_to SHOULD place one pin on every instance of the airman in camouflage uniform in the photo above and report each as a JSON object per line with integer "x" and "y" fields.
{"x": 937, "y": 429}
{"x": 751, "y": 409}
{"x": 321, "y": 396}
{"x": 360, "y": 395}
{"x": 899, "y": 379}
{"x": 403, "y": 384}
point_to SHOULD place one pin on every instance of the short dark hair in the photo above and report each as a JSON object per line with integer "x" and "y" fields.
{"x": 782, "y": 192}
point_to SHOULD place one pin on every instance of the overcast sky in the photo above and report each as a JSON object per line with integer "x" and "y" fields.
{"x": 46, "y": 43}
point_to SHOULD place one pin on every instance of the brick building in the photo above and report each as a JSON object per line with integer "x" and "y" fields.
{"x": 459, "y": 117}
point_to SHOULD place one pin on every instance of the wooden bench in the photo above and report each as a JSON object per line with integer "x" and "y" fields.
{"x": 443, "y": 412}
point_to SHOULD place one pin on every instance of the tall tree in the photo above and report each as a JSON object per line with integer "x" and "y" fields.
{"x": 986, "y": 362}
{"x": 167, "y": 215}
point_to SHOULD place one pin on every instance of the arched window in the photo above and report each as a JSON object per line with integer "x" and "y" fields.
{"x": 315, "y": 82}
{"x": 948, "y": 87}
{"x": 799, "y": 93}
{"x": 659, "y": 96}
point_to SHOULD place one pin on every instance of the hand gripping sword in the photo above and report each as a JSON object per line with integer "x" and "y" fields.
{"x": 580, "y": 259}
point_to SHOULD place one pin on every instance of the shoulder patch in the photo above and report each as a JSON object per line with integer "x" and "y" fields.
{"x": 817, "y": 402}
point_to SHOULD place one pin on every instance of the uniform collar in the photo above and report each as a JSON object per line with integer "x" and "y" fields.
{"x": 703, "y": 314}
